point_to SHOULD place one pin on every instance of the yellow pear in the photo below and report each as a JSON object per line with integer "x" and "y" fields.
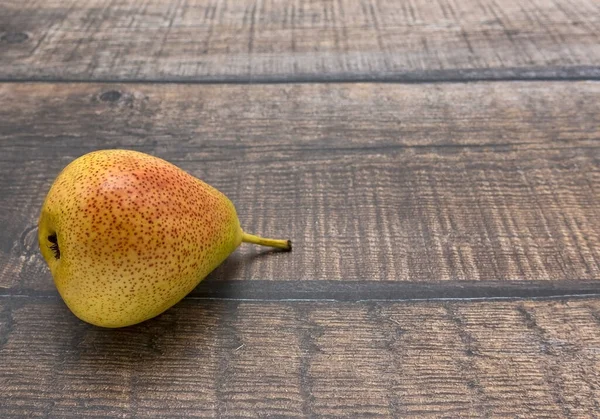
{"x": 127, "y": 235}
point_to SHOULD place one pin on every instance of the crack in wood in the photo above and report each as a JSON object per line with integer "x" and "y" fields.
{"x": 393, "y": 332}
{"x": 308, "y": 348}
{"x": 468, "y": 365}
{"x": 551, "y": 370}
{"x": 223, "y": 379}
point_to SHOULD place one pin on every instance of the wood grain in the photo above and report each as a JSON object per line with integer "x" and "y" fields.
{"x": 251, "y": 40}
{"x": 483, "y": 181}
{"x": 218, "y": 359}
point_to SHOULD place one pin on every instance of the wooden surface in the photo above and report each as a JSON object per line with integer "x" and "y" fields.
{"x": 485, "y": 181}
{"x": 447, "y": 254}
{"x": 236, "y": 359}
{"x": 251, "y": 40}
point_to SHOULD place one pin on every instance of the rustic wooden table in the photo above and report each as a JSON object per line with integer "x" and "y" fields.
{"x": 437, "y": 165}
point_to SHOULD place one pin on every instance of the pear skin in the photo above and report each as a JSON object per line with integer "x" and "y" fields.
{"x": 127, "y": 235}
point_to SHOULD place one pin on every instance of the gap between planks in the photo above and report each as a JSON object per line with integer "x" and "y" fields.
{"x": 561, "y": 74}
{"x": 370, "y": 291}
{"x": 559, "y": 297}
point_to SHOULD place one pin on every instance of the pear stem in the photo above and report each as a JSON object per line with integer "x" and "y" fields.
{"x": 279, "y": 244}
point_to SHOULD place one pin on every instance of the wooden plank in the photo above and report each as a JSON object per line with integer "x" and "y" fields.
{"x": 484, "y": 181}
{"x": 253, "y": 40}
{"x": 224, "y": 359}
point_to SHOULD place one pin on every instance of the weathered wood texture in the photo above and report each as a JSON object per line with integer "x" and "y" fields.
{"x": 256, "y": 40}
{"x": 478, "y": 181}
{"x": 219, "y": 359}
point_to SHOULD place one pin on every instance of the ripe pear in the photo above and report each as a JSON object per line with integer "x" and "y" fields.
{"x": 127, "y": 235}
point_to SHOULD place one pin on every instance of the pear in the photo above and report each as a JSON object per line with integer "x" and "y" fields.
{"x": 127, "y": 235}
